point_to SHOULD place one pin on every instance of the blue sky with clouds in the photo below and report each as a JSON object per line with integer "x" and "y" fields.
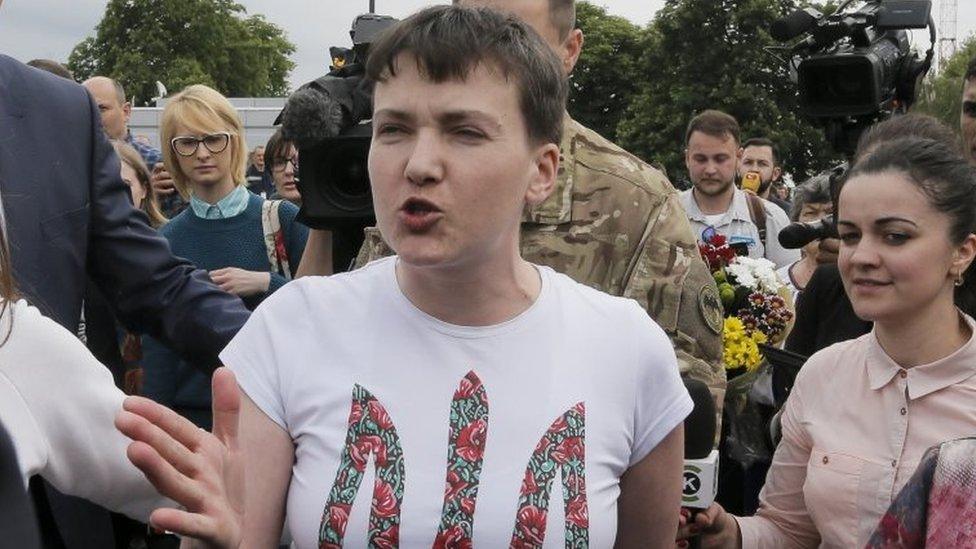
{"x": 50, "y": 28}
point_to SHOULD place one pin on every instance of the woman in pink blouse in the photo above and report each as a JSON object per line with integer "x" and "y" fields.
{"x": 864, "y": 411}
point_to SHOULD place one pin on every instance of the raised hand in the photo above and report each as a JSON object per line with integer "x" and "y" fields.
{"x": 203, "y": 472}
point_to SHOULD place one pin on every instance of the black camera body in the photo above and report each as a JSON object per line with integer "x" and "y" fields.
{"x": 329, "y": 120}
{"x": 856, "y": 68}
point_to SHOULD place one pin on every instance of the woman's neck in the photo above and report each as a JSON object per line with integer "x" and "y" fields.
{"x": 931, "y": 334}
{"x": 212, "y": 194}
{"x": 474, "y": 295}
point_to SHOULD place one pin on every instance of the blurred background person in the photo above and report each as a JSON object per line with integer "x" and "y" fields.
{"x": 811, "y": 202}
{"x": 52, "y": 67}
{"x": 967, "y": 115}
{"x": 759, "y": 155}
{"x": 227, "y": 230}
{"x": 258, "y": 181}
{"x": 283, "y": 168}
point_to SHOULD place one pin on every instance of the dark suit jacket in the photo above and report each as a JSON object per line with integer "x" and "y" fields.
{"x": 69, "y": 218}
{"x": 68, "y": 213}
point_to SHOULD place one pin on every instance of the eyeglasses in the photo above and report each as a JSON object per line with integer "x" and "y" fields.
{"x": 187, "y": 145}
{"x": 280, "y": 163}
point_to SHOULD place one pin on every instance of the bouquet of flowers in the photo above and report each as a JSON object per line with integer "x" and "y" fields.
{"x": 757, "y": 304}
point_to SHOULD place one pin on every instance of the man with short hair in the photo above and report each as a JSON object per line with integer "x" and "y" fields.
{"x": 967, "y": 116}
{"x": 759, "y": 155}
{"x": 614, "y": 222}
{"x": 711, "y": 155}
{"x": 258, "y": 182}
{"x": 115, "y": 111}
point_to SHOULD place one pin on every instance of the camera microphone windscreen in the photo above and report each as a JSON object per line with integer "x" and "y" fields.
{"x": 701, "y": 460}
{"x": 311, "y": 116}
{"x": 787, "y": 28}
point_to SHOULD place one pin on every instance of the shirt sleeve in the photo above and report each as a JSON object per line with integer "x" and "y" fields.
{"x": 73, "y": 402}
{"x": 662, "y": 402}
{"x": 255, "y": 353}
{"x": 782, "y": 520}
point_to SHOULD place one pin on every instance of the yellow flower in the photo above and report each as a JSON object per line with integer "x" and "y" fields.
{"x": 740, "y": 347}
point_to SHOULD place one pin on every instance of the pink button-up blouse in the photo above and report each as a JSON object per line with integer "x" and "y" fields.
{"x": 854, "y": 429}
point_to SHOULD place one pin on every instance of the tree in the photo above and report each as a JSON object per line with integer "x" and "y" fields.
{"x": 603, "y": 83}
{"x": 940, "y": 94}
{"x": 183, "y": 42}
{"x": 713, "y": 54}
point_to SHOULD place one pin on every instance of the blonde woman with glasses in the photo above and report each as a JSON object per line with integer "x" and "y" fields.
{"x": 250, "y": 246}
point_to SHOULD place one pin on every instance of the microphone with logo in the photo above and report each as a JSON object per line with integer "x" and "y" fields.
{"x": 701, "y": 460}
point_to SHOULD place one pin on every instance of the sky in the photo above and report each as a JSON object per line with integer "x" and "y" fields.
{"x": 50, "y": 28}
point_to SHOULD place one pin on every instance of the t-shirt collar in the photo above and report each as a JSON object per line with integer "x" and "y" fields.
{"x": 926, "y": 378}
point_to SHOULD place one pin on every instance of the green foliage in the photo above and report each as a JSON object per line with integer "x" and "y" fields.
{"x": 183, "y": 42}
{"x": 940, "y": 94}
{"x": 711, "y": 54}
{"x": 604, "y": 80}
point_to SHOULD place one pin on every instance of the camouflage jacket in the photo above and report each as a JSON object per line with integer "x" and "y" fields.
{"x": 615, "y": 223}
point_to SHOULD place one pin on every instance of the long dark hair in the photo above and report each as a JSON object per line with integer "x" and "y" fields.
{"x": 946, "y": 179}
{"x": 8, "y": 290}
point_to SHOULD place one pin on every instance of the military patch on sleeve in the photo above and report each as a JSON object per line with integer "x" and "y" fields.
{"x": 711, "y": 308}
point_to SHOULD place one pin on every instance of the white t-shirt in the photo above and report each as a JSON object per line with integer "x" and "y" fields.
{"x": 572, "y": 392}
{"x": 59, "y": 405}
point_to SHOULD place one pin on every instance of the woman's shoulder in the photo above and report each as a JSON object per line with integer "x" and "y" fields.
{"x": 830, "y": 364}
{"x": 27, "y": 336}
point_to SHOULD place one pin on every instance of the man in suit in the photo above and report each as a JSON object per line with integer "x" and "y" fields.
{"x": 69, "y": 217}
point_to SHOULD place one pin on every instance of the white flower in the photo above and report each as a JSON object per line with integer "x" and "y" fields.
{"x": 755, "y": 274}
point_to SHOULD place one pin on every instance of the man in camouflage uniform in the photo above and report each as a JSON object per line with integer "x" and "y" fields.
{"x": 614, "y": 223}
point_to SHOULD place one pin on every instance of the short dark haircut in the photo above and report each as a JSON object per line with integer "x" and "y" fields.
{"x": 970, "y": 70}
{"x": 762, "y": 142}
{"x": 52, "y": 67}
{"x": 275, "y": 149}
{"x": 450, "y": 41}
{"x": 562, "y": 15}
{"x": 906, "y": 125}
{"x": 714, "y": 123}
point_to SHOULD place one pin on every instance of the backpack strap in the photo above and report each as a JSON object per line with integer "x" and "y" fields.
{"x": 274, "y": 238}
{"x": 757, "y": 211}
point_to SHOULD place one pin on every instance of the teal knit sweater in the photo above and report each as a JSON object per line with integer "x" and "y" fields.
{"x": 214, "y": 244}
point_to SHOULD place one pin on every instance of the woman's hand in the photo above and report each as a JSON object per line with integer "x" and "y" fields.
{"x": 240, "y": 282}
{"x": 717, "y": 528}
{"x": 202, "y": 472}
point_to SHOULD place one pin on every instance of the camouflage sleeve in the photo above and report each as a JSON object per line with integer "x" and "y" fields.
{"x": 669, "y": 279}
{"x": 373, "y": 248}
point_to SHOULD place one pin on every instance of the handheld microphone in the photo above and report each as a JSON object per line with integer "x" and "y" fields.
{"x": 701, "y": 460}
{"x": 787, "y": 28}
{"x": 751, "y": 181}
{"x": 798, "y": 235}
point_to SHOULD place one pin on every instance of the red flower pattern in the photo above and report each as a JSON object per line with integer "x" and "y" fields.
{"x": 384, "y": 500}
{"x": 569, "y": 448}
{"x": 529, "y": 485}
{"x": 339, "y": 516}
{"x": 453, "y": 538}
{"x": 387, "y": 539}
{"x": 378, "y": 413}
{"x": 471, "y": 441}
{"x": 577, "y": 512}
{"x": 366, "y": 445}
{"x": 532, "y": 525}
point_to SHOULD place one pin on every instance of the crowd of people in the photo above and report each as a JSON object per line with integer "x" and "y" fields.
{"x": 507, "y": 360}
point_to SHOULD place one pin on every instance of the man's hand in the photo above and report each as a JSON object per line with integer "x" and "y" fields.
{"x": 203, "y": 472}
{"x": 827, "y": 251}
{"x": 240, "y": 282}
{"x": 161, "y": 181}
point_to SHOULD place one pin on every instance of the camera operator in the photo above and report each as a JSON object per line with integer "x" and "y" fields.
{"x": 711, "y": 155}
{"x": 616, "y": 238}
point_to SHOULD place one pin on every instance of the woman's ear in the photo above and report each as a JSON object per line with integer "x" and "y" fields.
{"x": 546, "y": 170}
{"x": 964, "y": 255}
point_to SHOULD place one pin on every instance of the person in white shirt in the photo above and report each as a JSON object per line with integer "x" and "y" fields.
{"x": 453, "y": 394}
{"x": 715, "y": 203}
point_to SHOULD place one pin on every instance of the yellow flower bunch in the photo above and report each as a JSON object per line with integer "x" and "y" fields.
{"x": 740, "y": 347}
